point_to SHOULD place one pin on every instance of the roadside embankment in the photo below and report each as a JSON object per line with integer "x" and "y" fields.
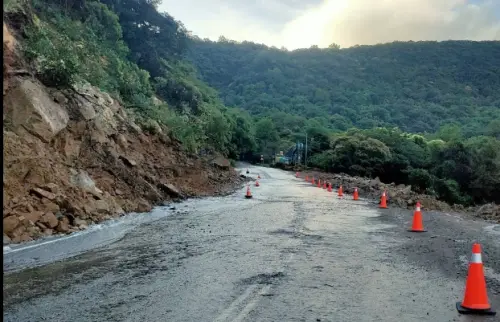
{"x": 401, "y": 195}
{"x": 75, "y": 157}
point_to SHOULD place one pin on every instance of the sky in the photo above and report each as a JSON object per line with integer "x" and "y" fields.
{"x": 301, "y": 23}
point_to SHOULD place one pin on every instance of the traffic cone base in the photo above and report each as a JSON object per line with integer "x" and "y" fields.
{"x": 464, "y": 310}
{"x": 417, "y": 231}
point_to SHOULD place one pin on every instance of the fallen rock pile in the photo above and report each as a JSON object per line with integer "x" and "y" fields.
{"x": 77, "y": 157}
{"x": 401, "y": 195}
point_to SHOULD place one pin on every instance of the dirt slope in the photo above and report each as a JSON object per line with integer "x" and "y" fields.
{"x": 76, "y": 157}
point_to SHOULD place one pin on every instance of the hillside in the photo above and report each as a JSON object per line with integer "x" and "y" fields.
{"x": 417, "y": 86}
{"x": 89, "y": 132}
{"x": 362, "y": 106}
{"x": 105, "y": 113}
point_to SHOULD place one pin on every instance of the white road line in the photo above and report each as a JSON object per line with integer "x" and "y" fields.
{"x": 234, "y": 305}
{"x": 251, "y": 305}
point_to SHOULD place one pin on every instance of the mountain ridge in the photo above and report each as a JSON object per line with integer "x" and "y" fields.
{"x": 443, "y": 82}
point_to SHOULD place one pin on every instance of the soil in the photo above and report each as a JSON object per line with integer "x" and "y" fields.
{"x": 87, "y": 173}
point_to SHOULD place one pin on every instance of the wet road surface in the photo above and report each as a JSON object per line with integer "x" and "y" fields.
{"x": 292, "y": 253}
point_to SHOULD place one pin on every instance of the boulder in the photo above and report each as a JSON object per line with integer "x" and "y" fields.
{"x": 221, "y": 163}
{"x": 105, "y": 121}
{"x": 62, "y": 227}
{"x": 101, "y": 206}
{"x": 24, "y": 237}
{"x": 50, "y": 206}
{"x": 80, "y": 223}
{"x": 34, "y": 216}
{"x": 49, "y": 220}
{"x": 34, "y": 231}
{"x": 171, "y": 190}
{"x": 83, "y": 109}
{"x": 121, "y": 140}
{"x": 143, "y": 206}
{"x": 10, "y": 223}
{"x": 16, "y": 234}
{"x": 35, "y": 111}
{"x": 43, "y": 193}
{"x": 82, "y": 180}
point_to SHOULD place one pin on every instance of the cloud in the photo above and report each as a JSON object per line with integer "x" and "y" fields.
{"x": 299, "y": 24}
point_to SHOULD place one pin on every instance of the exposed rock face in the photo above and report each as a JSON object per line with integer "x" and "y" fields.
{"x": 34, "y": 111}
{"x": 76, "y": 157}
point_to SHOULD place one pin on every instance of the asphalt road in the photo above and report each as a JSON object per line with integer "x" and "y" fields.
{"x": 292, "y": 253}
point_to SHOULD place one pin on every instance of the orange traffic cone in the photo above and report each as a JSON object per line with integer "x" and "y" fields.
{"x": 319, "y": 183}
{"x": 312, "y": 180}
{"x": 307, "y": 178}
{"x": 249, "y": 194}
{"x": 417, "y": 226}
{"x": 475, "y": 298}
{"x": 297, "y": 175}
{"x": 340, "y": 191}
{"x": 257, "y": 184}
{"x": 383, "y": 201}
{"x": 329, "y": 187}
{"x": 324, "y": 185}
{"x": 355, "y": 194}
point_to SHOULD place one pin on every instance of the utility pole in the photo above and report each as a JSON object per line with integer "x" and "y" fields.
{"x": 305, "y": 156}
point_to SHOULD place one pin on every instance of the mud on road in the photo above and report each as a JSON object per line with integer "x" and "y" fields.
{"x": 291, "y": 253}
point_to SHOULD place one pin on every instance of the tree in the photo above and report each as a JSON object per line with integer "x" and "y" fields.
{"x": 334, "y": 46}
{"x": 266, "y": 136}
{"x": 243, "y": 134}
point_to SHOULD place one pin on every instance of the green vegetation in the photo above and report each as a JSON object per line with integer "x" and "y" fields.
{"x": 357, "y": 106}
{"x": 416, "y": 86}
{"x": 133, "y": 52}
{"x": 458, "y": 171}
{"x": 353, "y": 102}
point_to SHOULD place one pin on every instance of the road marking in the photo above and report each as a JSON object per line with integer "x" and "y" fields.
{"x": 251, "y": 305}
{"x": 252, "y": 295}
{"x": 234, "y": 305}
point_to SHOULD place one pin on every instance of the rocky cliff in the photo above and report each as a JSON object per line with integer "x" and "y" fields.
{"x": 75, "y": 157}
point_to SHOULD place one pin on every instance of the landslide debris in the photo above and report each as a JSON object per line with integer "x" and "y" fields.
{"x": 76, "y": 157}
{"x": 401, "y": 195}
